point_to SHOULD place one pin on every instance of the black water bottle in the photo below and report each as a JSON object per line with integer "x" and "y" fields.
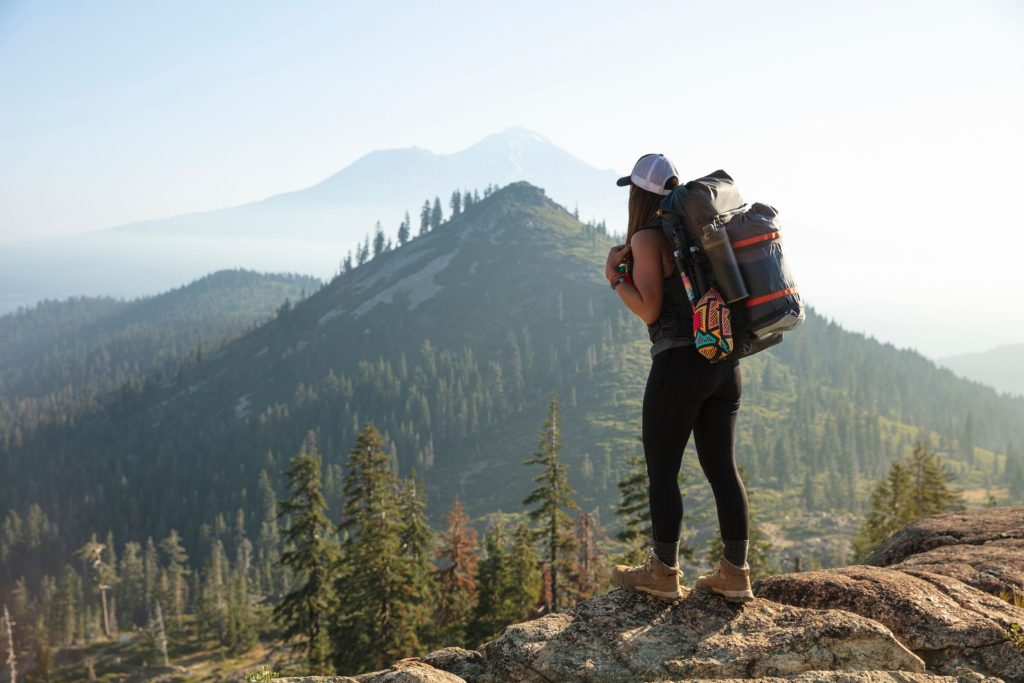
{"x": 716, "y": 245}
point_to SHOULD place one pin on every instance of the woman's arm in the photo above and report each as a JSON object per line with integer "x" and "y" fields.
{"x": 644, "y": 296}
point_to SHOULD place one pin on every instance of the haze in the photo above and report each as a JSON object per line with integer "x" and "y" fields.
{"x": 887, "y": 134}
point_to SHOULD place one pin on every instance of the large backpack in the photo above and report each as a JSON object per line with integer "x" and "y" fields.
{"x": 773, "y": 304}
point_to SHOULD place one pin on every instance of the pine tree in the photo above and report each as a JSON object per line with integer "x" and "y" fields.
{"x": 268, "y": 548}
{"x": 376, "y": 623}
{"x": 634, "y": 511}
{"x": 310, "y": 553}
{"x": 1014, "y": 475}
{"x": 523, "y": 571}
{"x": 378, "y": 240}
{"x": 425, "y": 217}
{"x": 456, "y": 203}
{"x": 92, "y": 556}
{"x": 493, "y": 611}
{"x": 404, "y": 230}
{"x": 176, "y": 568}
{"x": 418, "y": 547}
{"x": 435, "y": 214}
{"x": 929, "y": 483}
{"x": 553, "y": 497}
{"x": 132, "y": 589}
{"x": 457, "y": 589}
{"x": 590, "y": 572}
{"x": 914, "y": 488}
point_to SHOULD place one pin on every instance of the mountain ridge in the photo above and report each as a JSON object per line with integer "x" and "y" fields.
{"x": 453, "y": 344}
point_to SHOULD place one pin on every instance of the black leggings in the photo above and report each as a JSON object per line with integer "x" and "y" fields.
{"x": 686, "y": 393}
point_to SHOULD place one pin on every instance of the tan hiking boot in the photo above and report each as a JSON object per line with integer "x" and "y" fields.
{"x": 729, "y": 580}
{"x": 653, "y": 576}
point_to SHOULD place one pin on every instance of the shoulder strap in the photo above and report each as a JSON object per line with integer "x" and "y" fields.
{"x": 656, "y": 223}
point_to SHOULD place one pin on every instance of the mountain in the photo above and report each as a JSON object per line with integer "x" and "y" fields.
{"x": 60, "y": 359}
{"x": 453, "y": 344}
{"x": 1001, "y": 367}
{"x": 383, "y": 184}
{"x": 308, "y": 230}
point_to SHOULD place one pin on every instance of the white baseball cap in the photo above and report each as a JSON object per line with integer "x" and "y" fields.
{"x": 651, "y": 172}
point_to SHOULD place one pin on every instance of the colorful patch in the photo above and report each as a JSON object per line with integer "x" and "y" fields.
{"x": 712, "y": 326}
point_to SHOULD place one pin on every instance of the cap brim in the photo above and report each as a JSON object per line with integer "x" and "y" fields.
{"x": 623, "y": 181}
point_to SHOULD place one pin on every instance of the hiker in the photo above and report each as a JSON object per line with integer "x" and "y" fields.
{"x": 684, "y": 393}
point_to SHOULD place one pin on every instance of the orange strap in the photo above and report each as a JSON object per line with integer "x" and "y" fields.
{"x": 755, "y": 239}
{"x": 769, "y": 297}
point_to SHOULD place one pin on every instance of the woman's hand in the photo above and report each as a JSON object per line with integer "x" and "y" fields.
{"x": 615, "y": 256}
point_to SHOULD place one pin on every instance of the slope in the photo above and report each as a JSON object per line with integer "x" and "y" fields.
{"x": 452, "y": 344}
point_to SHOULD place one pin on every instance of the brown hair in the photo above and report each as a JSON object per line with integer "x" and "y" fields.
{"x": 644, "y": 206}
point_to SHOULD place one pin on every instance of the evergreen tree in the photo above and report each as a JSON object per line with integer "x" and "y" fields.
{"x": 176, "y": 568}
{"x": 268, "y": 548}
{"x": 310, "y": 553}
{"x": 378, "y": 621}
{"x": 456, "y": 203}
{"x": 929, "y": 483}
{"x": 591, "y": 570}
{"x": 378, "y": 240}
{"x": 494, "y": 586}
{"x": 435, "y": 214}
{"x": 404, "y": 229}
{"x": 457, "y": 589}
{"x": 523, "y": 571}
{"x": 132, "y": 589}
{"x": 418, "y": 549}
{"x": 553, "y": 497}
{"x": 914, "y": 488}
{"x": 92, "y": 556}
{"x": 634, "y": 511}
{"x": 425, "y": 215}
{"x": 1014, "y": 475}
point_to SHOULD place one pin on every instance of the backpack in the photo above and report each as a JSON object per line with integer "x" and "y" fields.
{"x": 772, "y": 305}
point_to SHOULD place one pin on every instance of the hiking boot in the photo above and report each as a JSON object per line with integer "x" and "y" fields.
{"x": 653, "y": 576}
{"x": 729, "y": 580}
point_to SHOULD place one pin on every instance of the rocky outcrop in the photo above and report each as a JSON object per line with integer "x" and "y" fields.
{"x": 983, "y": 548}
{"x": 946, "y": 622}
{"x": 924, "y": 608}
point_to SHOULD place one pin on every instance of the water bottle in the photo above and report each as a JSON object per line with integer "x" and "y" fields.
{"x": 716, "y": 245}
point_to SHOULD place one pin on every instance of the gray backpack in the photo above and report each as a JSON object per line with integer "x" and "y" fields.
{"x": 772, "y": 304}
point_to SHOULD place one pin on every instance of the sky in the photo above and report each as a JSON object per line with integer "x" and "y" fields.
{"x": 891, "y": 128}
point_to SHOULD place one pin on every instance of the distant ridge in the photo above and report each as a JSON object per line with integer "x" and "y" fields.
{"x": 383, "y": 184}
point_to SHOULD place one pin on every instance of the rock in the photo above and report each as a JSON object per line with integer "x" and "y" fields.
{"x": 626, "y": 636}
{"x": 944, "y": 621}
{"x": 996, "y": 567}
{"x": 409, "y": 670}
{"x": 859, "y": 677}
{"x": 971, "y": 527}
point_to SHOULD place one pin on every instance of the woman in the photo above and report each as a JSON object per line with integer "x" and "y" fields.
{"x": 684, "y": 393}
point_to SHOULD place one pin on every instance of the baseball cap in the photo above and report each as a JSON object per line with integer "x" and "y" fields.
{"x": 650, "y": 172}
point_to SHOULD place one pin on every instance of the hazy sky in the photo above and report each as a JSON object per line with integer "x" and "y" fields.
{"x": 894, "y": 125}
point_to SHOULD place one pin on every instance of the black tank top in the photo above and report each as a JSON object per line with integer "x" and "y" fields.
{"x": 674, "y": 326}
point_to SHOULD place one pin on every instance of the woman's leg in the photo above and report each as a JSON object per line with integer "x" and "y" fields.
{"x": 679, "y": 381}
{"x": 714, "y": 435}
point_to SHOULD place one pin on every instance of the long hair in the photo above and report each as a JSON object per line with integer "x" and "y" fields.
{"x": 644, "y": 206}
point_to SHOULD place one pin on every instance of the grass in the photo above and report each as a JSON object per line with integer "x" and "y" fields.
{"x": 1015, "y": 634}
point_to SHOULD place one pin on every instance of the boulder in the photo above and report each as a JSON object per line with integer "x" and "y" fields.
{"x": 970, "y": 527}
{"x": 626, "y": 636}
{"x": 996, "y": 567}
{"x": 946, "y": 622}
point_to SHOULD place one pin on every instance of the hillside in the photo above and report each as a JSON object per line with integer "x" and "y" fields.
{"x": 1001, "y": 367}
{"x": 307, "y": 230}
{"x": 452, "y": 344}
{"x": 59, "y": 359}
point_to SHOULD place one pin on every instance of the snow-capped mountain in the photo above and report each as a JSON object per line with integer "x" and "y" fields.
{"x": 307, "y": 231}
